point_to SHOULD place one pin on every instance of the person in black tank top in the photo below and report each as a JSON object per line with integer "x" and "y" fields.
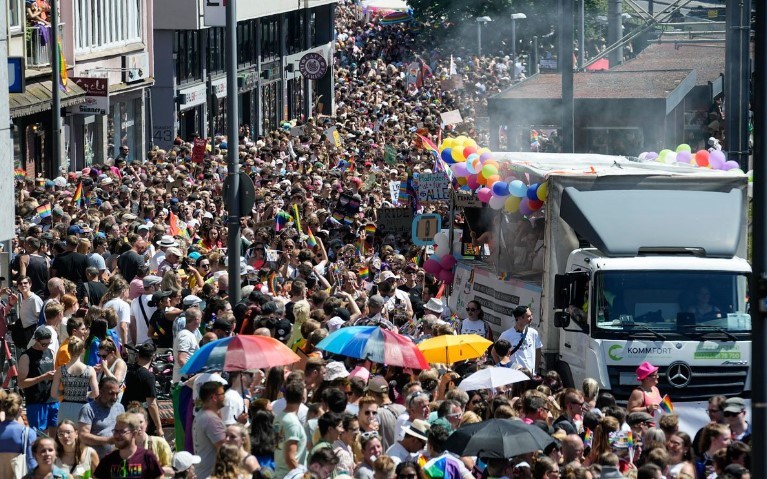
{"x": 35, "y": 378}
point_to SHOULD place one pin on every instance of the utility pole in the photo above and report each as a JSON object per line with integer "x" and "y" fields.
{"x": 736, "y": 80}
{"x": 56, "y": 153}
{"x": 232, "y": 156}
{"x": 566, "y": 67}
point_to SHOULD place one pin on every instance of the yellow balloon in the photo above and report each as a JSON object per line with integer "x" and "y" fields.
{"x": 470, "y": 142}
{"x": 457, "y": 154}
{"x": 512, "y": 204}
{"x": 542, "y": 191}
{"x": 461, "y": 138}
{"x": 446, "y": 143}
{"x": 483, "y": 150}
{"x": 462, "y": 180}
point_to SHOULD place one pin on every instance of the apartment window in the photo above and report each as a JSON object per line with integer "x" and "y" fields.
{"x": 216, "y": 50}
{"x": 15, "y": 14}
{"x": 104, "y": 24}
{"x": 186, "y": 46}
{"x": 246, "y": 42}
{"x": 270, "y": 40}
{"x": 296, "y": 32}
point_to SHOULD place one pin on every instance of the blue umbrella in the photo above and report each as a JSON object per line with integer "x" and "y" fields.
{"x": 376, "y": 344}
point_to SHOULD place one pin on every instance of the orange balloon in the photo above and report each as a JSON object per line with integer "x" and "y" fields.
{"x": 481, "y": 179}
{"x": 492, "y": 179}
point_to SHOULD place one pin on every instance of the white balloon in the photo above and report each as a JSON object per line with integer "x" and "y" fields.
{"x": 497, "y": 202}
{"x": 442, "y": 240}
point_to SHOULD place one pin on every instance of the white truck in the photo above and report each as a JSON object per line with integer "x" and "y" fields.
{"x": 625, "y": 262}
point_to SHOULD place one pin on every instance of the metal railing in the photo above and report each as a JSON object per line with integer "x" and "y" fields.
{"x": 39, "y": 45}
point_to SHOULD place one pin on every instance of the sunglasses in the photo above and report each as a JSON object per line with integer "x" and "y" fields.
{"x": 472, "y": 309}
{"x": 731, "y": 414}
{"x": 366, "y": 436}
{"x": 371, "y": 413}
{"x": 104, "y": 355}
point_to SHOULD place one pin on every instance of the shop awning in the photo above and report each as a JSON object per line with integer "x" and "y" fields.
{"x": 38, "y": 97}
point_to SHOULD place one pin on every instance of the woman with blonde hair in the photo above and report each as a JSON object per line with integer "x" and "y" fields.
{"x": 111, "y": 365}
{"x": 72, "y": 381}
{"x": 228, "y": 463}
{"x": 237, "y": 435}
{"x": 71, "y": 454}
{"x": 608, "y": 425}
{"x": 12, "y": 434}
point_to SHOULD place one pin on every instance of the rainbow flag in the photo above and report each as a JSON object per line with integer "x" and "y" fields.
{"x": 444, "y": 467}
{"x": 311, "y": 240}
{"x": 666, "y": 405}
{"x": 588, "y": 437}
{"x": 44, "y": 211}
{"x": 370, "y": 229}
{"x": 630, "y": 439}
{"x": 363, "y": 273}
{"x": 78, "y": 197}
{"x": 282, "y": 219}
{"x": 428, "y": 144}
{"x": 19, "y": 174}
{"x": 63, "y": 78}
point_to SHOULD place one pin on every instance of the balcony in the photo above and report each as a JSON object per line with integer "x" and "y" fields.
{"x": 39, "y": 44}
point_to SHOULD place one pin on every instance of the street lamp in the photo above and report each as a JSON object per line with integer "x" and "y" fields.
{"x": 481, "y": 21}
{"x": 514, "y": 18}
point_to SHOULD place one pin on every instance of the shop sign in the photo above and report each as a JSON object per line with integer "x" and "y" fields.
{"x": 218, "y": 88}
{"x": 313, "y": 66}
{"x": 214, "y": 13}
{"x": 192, "y": 97}
{"x": 16, "y": 79}
{"x": 247, "y": 81}
{"x": 96, "y": 96}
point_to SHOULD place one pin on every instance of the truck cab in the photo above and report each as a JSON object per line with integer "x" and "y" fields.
{"x": 687, "y": 314}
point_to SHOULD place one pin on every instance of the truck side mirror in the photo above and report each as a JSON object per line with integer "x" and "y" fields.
{"x": 561, "y": 319}
{"x": 561, "y": 291}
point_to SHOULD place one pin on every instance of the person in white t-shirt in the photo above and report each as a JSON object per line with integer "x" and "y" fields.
{"x": 141, "y": 312}
{"x": 185, "y": 344}
{"x": 525, "y": 342}
{"x": 474, "y": 322}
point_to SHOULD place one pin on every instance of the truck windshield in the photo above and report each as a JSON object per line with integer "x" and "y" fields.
{"x": 661, "y": 303}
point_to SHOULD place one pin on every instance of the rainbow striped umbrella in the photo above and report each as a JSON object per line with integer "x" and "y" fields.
{"x": 375, "y": 344}
{"x": 396, "y": 17}
{"x": 240, "y": 353}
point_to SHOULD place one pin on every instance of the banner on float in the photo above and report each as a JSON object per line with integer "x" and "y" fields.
{"x": 498, "y": 297}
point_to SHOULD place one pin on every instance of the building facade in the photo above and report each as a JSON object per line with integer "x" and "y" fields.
{"x": 190, "y": 94}
{"x": 107, "y": 46}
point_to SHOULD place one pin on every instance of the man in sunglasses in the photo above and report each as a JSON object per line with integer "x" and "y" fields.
{"x": 35, "y": 378}
{"x": 735, "y": 417}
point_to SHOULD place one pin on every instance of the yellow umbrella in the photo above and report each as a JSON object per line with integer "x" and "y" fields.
{"x": 450, "y": 348}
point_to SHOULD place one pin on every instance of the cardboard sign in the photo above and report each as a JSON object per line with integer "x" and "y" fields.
{"x": 297, "y": 130}
{"x": 425, "y": 227}
{"x": 451, "y": 117}
{"x": 394, "y": 190}
{"x": 333, "y": 136}
{"x": 198, "y": 150}
{"x": 397, "y": 221}
{"x": 390, "y": 155}
{"x": 432, "y": 187}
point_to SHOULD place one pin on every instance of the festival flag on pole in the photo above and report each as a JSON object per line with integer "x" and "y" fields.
{"x": 666, "y": 405}
{"x": 63, "y": 78}
{"x": 587, "y": 438}
{"x": 363, "y": 273}
{"x": 77, "y": 199}
{"x": 297, "y": 219}
{"x": 311, "y": 240}
{"x": 453, "y": 70}
{"x": 44, "y": 211}
{"x": 281, "y": 220}
{"x": 19, "y": 174}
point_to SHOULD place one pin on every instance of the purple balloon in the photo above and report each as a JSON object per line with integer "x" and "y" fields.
{"x": 446, "y": 276}
{"x": 524, "y": 207}
{"x": 447, "y": 262}
{"x": 485, "y": 156}
{"x": 651, "y": 155}
{"x": 730, "y": 165}
{"x": 684, "y": 156}
{"x": 460, "y": 170}
{"x": 431, "y": 266}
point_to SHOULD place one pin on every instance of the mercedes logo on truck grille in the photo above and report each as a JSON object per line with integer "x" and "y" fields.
{"x": 679, "y": 374}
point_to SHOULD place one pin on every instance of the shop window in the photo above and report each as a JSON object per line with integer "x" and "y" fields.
{"x": 296, "y": 38}
{"x": 246, "y": 42}
{"x": 270, "y": 97}
{"x": 104, "y": 24}
{"x": 14, "y": 15}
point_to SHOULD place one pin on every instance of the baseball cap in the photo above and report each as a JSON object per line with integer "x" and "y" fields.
{"x": 376, "y": 300}
{"x": 151, "y": 280}
{"x": 75, "y": 230}
{"x": 388, "y": 275}
{"x": 735, "y": 405}
{"x": 638, "y": 417}
{"x": 378, "y": 384}
{"x": 42, "y": 333}
{"x": 159, "y": 296}
{"x": 183, "y": 460}
{"x": 282, "y": 330}
{"x": 191, "y": 300}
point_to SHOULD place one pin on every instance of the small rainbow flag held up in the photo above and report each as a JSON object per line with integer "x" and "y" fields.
{"x": 588, "y": 437}
{"x": 363, "y": 273}
{"x": 282, "y": 219}
{"x": 311, "y": 240}
{"x": 370, "y": 228}
{"x": 44, "y": 211}
{"x": 666, "y": 405}
{"x": 297, "y": 219}
{"x": 77, "y": 199}
{"x": 630, "y": 443}
{"x": 19, "y": 174}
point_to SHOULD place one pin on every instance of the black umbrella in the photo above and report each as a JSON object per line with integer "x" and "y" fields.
{"x": 497, "y": 439}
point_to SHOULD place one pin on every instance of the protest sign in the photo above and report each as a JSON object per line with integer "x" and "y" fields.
{"x": 395, "y": 221}
{"x": 432, "y": 187}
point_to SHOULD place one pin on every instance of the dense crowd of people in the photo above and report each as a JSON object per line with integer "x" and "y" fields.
{"x": 127, "y": 260}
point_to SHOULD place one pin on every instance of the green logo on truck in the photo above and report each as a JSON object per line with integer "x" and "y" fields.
{"x": 613, "y": 352}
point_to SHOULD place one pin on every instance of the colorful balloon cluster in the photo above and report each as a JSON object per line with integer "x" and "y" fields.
{"x": 684, "y": 156}
{"x": 476, "y": 170}
{"x": 441, "y": 263}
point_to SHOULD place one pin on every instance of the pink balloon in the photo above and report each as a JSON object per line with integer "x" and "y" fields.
{"x": 684, "y": 156}
{"x": 484, "y": 194}
{"x": 431, "y": 266}
{"x": 447, "y": 262}
{"x": 473, "y": 182}
{"x": 445, "y": 276}
{"x": 731, "y": 164}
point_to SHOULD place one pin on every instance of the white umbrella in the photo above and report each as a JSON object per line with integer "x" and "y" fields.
{"x": 492, "y": 377}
